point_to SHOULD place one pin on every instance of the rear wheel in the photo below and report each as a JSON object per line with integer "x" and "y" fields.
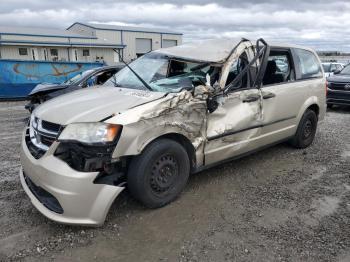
{"x": 306, "y": 130}
{"x": 159, "y": 174}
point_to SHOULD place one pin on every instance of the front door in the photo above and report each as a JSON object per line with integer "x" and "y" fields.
{"x": 235, "y": 125}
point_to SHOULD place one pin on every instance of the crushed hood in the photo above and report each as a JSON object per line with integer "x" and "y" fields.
{"x": 92, "y": 105}
{"x": 46, "y": 87}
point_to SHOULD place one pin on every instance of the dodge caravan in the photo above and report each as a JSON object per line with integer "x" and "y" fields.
{"x": 166, "y": 115}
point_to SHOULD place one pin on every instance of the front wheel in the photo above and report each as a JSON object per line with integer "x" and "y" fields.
{"x": 159, "y": 174}
{"x": 306, "y": 130}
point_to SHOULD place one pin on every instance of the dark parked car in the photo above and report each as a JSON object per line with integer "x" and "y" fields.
{"x": 339, "y": 88}
{"x": 91, "y": 77}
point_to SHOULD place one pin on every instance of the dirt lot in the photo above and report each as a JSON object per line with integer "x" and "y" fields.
{"x": 280, "y": 204}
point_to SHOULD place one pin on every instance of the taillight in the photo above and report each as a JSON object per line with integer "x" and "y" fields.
{"x": 326, "y": 87}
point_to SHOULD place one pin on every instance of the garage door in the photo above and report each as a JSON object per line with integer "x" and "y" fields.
{"x": 169, "y": 43}
{"x": 143, "y": 45}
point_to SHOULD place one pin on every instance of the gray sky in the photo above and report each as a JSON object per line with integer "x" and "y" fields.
{"x": 324, "y": 25}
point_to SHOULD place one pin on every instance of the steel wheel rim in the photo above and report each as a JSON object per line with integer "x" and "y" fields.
{"x": 164, "y": 173}
{"x": 308, "y": 129}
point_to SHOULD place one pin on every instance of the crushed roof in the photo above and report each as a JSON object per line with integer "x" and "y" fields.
{"x": 215, "y": 50}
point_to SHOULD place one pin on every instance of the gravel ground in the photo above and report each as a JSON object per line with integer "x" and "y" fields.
{"x": 280, "y": 204}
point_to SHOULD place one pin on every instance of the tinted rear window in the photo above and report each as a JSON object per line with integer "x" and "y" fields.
{"x": 308, "y": 64}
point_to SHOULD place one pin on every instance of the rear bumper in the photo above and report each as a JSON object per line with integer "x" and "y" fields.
{"x": 51, "y": 184}
{"x": 336, "y": 97}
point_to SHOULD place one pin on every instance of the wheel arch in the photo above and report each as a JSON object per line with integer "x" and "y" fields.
{"x": 182, "y": 140}
{"x": 313, "y": 104}
{"x": 315, "y": 108}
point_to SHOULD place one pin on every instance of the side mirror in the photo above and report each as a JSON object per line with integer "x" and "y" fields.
{"x": 337, "y": 71}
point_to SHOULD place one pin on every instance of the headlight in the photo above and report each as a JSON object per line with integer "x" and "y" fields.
{"x": 90, "y": 132}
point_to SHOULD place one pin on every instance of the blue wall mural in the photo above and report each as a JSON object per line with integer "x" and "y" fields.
{"x": 18, "y": 78}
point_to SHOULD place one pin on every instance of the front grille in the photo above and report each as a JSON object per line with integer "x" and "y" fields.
{"x": 35, "y": 151}
{"x": 40, "y": 136}
{"x": 45, "y": 198}
{"x": 52, "y": 127}
{"x": 340, "y": 86}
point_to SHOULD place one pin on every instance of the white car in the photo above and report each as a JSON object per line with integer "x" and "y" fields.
{"x": 331, "y": 67}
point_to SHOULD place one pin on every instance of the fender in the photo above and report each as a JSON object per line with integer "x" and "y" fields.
{"x": 313, "y": 100}
{"x": 142, "y": 140}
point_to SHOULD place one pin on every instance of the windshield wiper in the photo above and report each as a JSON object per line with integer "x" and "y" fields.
{"x": 136, "y": 74}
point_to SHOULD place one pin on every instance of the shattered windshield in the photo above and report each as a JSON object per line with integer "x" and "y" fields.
{"x": 77, "y": 77}
{"x": 162, "y": 74}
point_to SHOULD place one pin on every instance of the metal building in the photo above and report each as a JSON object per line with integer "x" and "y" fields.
{"x": 82, "y": 42}
{"x": 133, "y": 41}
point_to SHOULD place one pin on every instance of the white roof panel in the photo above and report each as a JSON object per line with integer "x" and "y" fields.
{"x": 216, "y": 50}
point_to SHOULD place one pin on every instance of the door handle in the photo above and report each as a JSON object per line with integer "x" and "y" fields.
{"x": 251, "y": 98}
{"x": 268, "y": 95}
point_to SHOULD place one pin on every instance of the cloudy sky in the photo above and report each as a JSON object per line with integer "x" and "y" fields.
{"x": 324, "y": 25}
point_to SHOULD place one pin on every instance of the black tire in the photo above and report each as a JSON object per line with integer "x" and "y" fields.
{"x": 306, "y": 130}
{"x": 158, "y": 175}
{"x": 329, "y": 105}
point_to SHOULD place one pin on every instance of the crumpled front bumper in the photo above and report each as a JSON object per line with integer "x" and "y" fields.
{"x": 82, "y": 201}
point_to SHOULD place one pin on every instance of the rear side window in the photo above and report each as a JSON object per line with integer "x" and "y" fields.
{"x": 308, "y": 64}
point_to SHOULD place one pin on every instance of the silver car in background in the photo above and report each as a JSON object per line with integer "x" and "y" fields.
{"x": 330, "y": 68}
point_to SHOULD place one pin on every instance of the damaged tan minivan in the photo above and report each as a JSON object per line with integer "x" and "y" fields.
{"x": 168, "y": 114}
